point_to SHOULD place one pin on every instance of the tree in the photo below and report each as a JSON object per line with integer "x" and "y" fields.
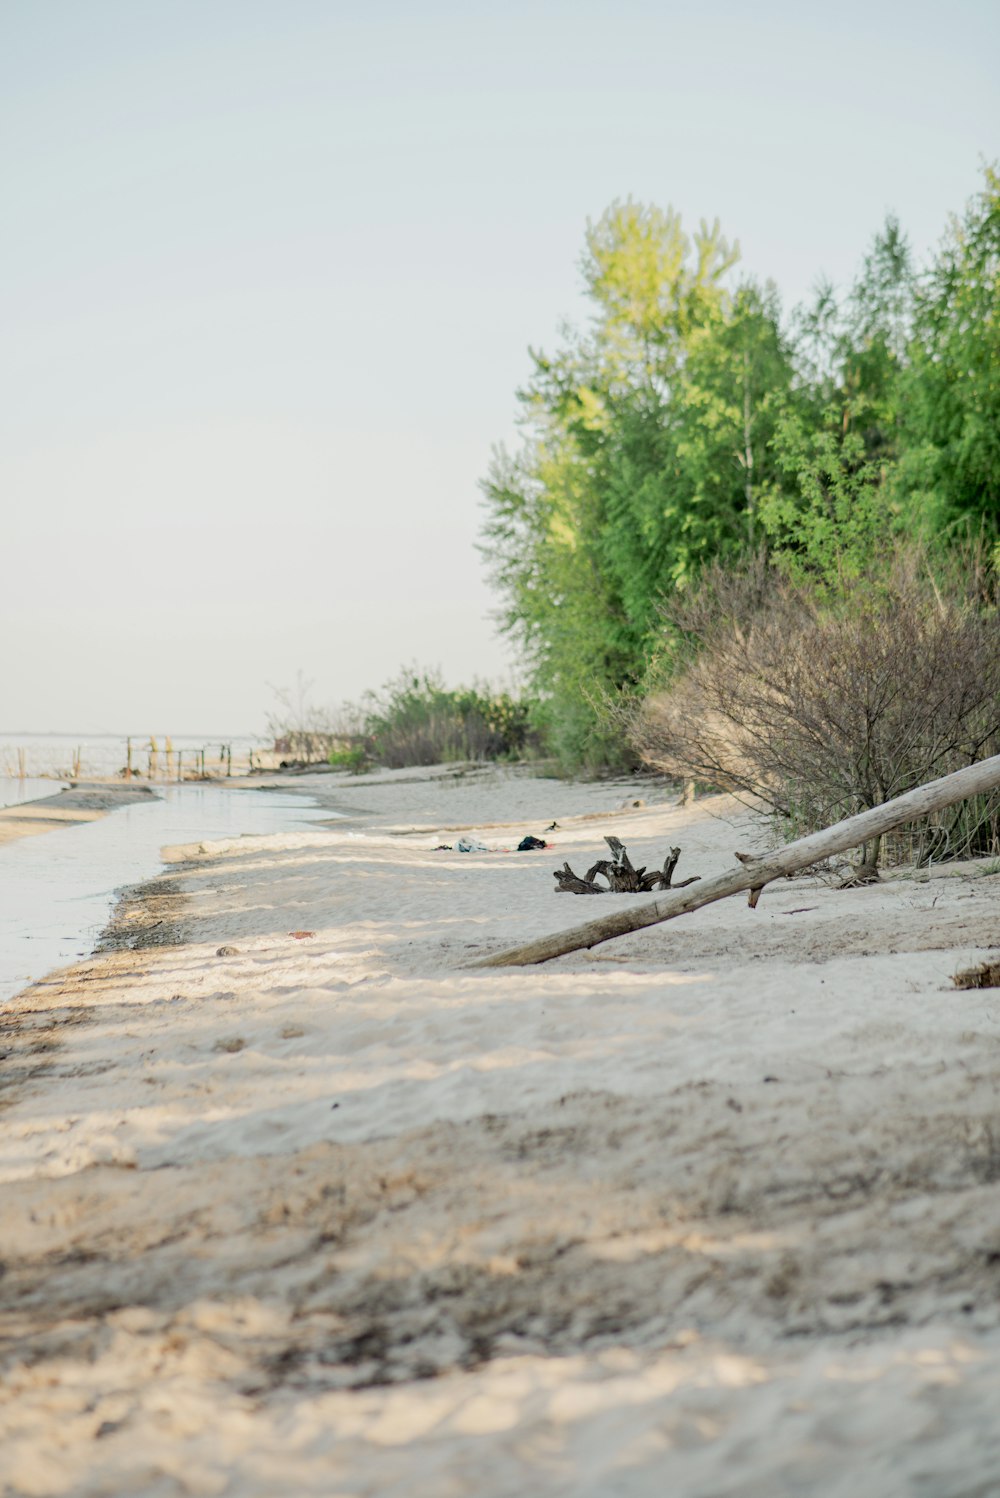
{"x": 645, "y": 439}
{"x": 736, "y": 384}
{"x": 836, "y": 438}
{"x": 951, "y": 423}
{"x": 836, "y": 511}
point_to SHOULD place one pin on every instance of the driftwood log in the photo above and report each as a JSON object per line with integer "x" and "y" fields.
{"x": 754, "y": 873}
{"x": 619, "y": 875}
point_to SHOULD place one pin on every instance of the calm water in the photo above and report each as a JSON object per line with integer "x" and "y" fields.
{"x": 57, "y": 890}
{"x": 14, "y": 791}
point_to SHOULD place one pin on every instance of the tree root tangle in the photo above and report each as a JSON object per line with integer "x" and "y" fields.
{"x": 620, "y": 877}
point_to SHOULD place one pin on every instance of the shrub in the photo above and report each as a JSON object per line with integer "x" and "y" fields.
{"x": 416, "y": 720}
{"x": 307, "y": 733}
{"x": 821, "y": 703}
{"x": 355, "y": 758}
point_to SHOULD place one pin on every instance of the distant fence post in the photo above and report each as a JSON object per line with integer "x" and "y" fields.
{"x": 21, "y": 772}
{"x": 128, "y": 759}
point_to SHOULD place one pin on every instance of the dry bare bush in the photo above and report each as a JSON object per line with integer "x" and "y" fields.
{"x": 308, "y": 733}
{"x": 823, "y": 703}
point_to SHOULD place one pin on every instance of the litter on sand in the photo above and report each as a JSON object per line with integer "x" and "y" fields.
{"x": 468, "y": 844}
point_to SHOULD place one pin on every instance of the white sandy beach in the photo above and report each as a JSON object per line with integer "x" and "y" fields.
{"x": 711, "y": 1210}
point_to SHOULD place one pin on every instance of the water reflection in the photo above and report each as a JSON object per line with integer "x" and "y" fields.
{"x": 32, "y": 788}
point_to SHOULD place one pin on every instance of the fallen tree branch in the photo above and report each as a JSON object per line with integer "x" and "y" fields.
{"x": 754, "y": 873}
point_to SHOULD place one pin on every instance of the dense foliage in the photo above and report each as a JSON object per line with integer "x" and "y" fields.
{"x": 416, "y": 720}
{"x": 690, "y": 424}
{"x": 823, "y": 702}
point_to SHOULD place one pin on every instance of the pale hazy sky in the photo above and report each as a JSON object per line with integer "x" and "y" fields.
{"x": 270, "y": 270}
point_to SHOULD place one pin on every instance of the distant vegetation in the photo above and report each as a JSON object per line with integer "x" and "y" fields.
{"x": 416, "y": 720}
{"x": 754, "y": 549}
{"x": 413, "y": 719}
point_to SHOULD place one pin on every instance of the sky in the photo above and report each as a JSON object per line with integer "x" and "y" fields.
{"x": 269, "y": 273}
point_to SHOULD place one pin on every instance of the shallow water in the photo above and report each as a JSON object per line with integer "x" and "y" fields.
{"x": 57, "y": 890}
{"x": 32, "y": 788}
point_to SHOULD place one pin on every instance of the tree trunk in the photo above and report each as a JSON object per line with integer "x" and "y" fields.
{"x": 754, "y": 873}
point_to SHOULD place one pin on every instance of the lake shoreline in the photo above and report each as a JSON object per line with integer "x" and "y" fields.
{"x": 59, "y": 890}
{"x": 79, "y": 803}
{"x": 290, "y": 1189}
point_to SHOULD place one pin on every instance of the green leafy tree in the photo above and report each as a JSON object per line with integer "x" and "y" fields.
{"x": 737, "y": 382}
{"x": 873, "y": 351}
{"x": 646, "y": 440}
{"x": 683, "y": 426}
{"x": 836, "y": 510}
{"x": 951, "y": 420}
{"x": 836, "y": 439}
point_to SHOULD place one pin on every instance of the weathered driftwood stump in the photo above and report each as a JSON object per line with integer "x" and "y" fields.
{"x": 620, "y": 877}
